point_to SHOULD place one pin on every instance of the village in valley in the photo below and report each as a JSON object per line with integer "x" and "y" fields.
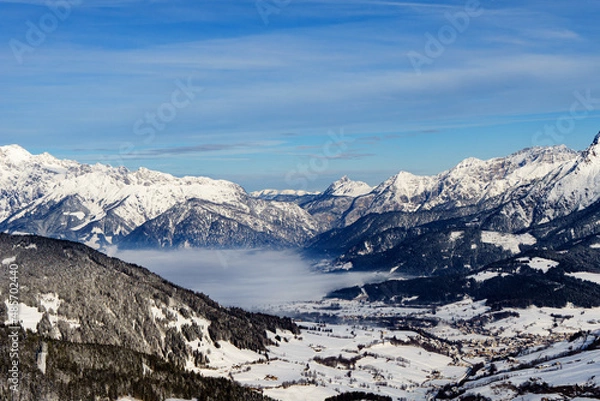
{"x": 409, "y": 353}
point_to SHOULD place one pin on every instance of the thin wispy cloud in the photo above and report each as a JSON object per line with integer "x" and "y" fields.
{"x": 190, "y": 149}
{"x": 221, "y": 148}
{"x": 317, "y": 66}
{"x": 415, "y": 4}
{"x": 86, "y": 3}
{"x": 551, "y": 34}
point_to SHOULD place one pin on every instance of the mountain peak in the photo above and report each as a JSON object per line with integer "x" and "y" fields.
{"x": 469, "y": 162}
{"x": 14, "y": 153}
{"x": 593, "y": 151}
{"x": 596, "y": 139}
{"x": 402, "y": 177}
{"x": 346, "y": 187}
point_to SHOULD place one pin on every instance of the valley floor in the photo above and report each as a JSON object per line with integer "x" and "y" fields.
{"x": 411, "y": 353}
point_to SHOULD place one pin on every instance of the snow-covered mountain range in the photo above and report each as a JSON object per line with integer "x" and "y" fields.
{"x": 102, "y": 205}
{"x": 506, "y": 252}
{"x": 471, "y": 182}
{"x": 286, "y": 194}
{"x": 467, "y": 216}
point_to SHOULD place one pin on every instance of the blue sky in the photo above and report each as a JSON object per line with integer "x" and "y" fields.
{"x": 295, "y": 94}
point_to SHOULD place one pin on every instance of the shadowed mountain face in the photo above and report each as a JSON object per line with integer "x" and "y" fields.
{"x": 74, "y": 371}
{"x": 541, "y": 278}
{"x": 73, "y": 293}
{"x": 203, "y": 224}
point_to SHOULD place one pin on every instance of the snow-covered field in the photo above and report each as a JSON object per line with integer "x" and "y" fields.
{"x": 328, "y": 359}
{"x": 593, "y": 277}
{"x": 523, "y": 347}
{"x": 518, "y": 337}
{"x": 544, "y": 265}
{"x": 561, "y": 365}
{"x": 407, "y": 353}
{"x": 508, "y": 242}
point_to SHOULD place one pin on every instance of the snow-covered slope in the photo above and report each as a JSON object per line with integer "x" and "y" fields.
{"x": 99, "y": 204}
{"x": 329, "y": 207}
{"x": 250, "y": 223}
{"x": 347, "y": 187}
{"x": 274, "y": 193}
{"x": 471, "y": 182}
{"x": 572, "y": 187}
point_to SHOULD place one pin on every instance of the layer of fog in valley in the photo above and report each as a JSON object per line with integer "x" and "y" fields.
{"x": 250, "y": 279}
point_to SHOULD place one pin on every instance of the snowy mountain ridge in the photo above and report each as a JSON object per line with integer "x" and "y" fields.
{"x": 272, "y": 193}
{"x": 470, "y": 183}
{"x": 347, "y": 187}
{"x": 97, "y": 204}
{"x": 102, "y": 205}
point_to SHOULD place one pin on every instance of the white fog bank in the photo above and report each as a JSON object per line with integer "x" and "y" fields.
{"x": 245, "y": 278}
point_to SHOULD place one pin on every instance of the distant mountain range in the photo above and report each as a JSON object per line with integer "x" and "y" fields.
{"x": 101, "y": 205}
{"x": 474, "y": 214}
{"x": 470, "y": 216}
